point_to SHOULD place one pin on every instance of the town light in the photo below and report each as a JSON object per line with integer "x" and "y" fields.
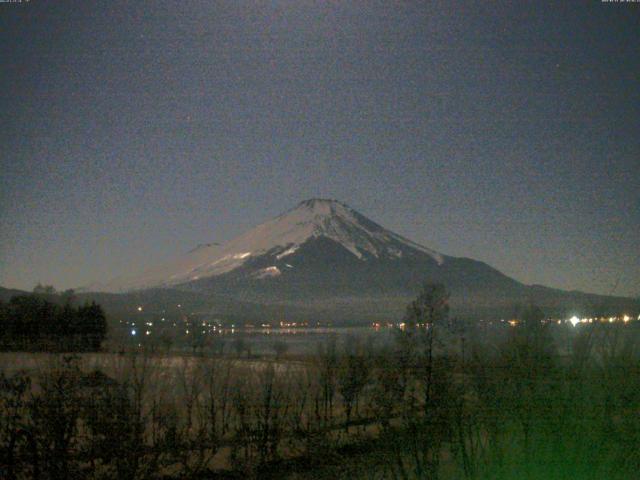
{"x": 574, "y": 320}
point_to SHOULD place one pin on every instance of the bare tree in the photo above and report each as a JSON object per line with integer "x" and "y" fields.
{"x": 353, "y": 375}
{"x": 327, "y": 362}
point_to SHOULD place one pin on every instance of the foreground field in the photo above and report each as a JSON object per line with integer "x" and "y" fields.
{"x": 430, "y": 404}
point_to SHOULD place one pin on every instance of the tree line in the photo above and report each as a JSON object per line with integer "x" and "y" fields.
{"x": 45, "y": 321}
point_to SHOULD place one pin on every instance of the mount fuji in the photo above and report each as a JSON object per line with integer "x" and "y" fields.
{"x": 324, "y": 255}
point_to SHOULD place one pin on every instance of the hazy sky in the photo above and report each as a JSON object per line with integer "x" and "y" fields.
{"x": 506, "y": 132}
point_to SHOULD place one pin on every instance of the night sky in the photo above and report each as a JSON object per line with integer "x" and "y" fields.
{"x": 506, "y": 132}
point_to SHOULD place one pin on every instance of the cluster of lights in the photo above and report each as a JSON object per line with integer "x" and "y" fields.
{"x": 403, "y": 325}
{"x": 379, "y": 325}
{"x": 575, "y": 320}
{"x": 293, "y": 324}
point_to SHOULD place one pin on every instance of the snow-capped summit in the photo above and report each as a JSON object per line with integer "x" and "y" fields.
{"x": 282, "y": 236}
{"x": 337, "y": 221}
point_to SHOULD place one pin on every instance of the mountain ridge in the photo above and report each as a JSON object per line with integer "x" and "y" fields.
{"x": 322, "y": 252}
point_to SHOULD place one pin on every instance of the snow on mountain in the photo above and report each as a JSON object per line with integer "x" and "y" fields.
{"x": 272, "y": 271}
{"x": 287, "y": 232}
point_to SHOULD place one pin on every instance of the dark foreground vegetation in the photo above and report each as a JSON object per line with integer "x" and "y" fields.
{"x": 46, "y": 321}
{"x": 438, "y": 402}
